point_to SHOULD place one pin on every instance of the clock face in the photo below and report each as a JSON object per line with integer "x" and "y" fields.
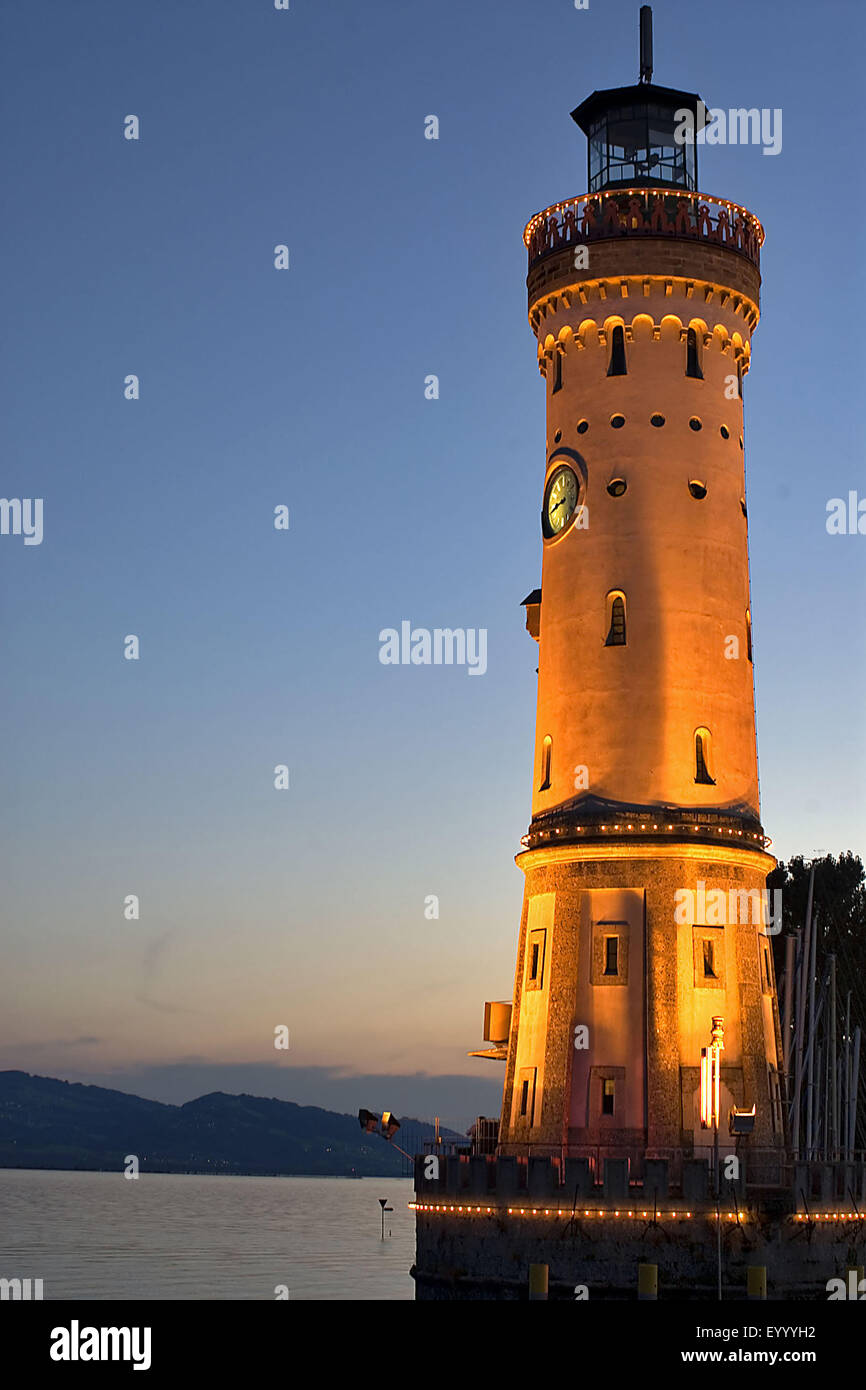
{"x": 560, "y": 501}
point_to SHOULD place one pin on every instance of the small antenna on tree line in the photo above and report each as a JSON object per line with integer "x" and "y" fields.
{"x": 646, "y": 43}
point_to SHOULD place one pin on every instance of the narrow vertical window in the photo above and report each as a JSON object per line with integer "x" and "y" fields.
{"x": 768, "y": 971}
{"x": 693, "y": 357}
{"x": 616, "y": 620}
{"x": 618, "y": 365}
{"x": 709, "y": 961}
{"x": 535, "y": 961}
{"x": 702, "y": 758}
{"x": 557, "y": 371}
{"x": 526, "y": 1094}
{"x": 611, "y": 955}
{"x": 545, "y": 763}
{"x": 740, "y": 378}
{"x": 608, "y": 1090}
{"x": 748, "y": 634}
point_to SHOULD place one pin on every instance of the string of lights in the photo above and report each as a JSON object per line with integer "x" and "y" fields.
{"x": 679, "y": 193}
{"x": 606, "y": 1213}
{"x": 646, "y": 827}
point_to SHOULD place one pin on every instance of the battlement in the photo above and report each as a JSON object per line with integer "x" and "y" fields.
{"x": 547, "y": 1184}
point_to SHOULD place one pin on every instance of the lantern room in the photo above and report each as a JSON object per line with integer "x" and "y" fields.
{"x": 632, "y": 131}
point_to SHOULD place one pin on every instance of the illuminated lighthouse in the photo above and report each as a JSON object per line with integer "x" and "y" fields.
{"x": 642, "y": 1144}
{"x": 644, "y": 914}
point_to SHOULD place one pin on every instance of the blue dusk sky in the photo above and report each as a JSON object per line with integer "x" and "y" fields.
{"x": 305, "y": 387}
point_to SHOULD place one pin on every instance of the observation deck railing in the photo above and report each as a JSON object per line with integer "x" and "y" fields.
{"x": 637, "y": 212}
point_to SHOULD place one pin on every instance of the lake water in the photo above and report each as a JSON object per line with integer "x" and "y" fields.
{"x": 177, "y": 1236}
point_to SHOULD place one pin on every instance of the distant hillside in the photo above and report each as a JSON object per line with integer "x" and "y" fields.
{"x": 59, "y": 1124}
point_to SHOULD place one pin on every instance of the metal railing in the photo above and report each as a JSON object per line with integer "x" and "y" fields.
{"x": 644, "y": 212}
{"x": 764, "y": 1166}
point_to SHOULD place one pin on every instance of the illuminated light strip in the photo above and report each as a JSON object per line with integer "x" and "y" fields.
{"x": 542, "y": 833}
{"x": 602, "y": 1212}
{"x": 540, "y": 841}
{"x": 606, "y": 1212}
{"x": 829, "y": 1216}
{"x": 687, "y": 193}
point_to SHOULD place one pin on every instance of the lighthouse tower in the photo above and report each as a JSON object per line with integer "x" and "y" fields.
{"x": 644, "y": 917}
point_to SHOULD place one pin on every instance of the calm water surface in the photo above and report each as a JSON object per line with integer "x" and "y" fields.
{"x": 100, "y": 1235}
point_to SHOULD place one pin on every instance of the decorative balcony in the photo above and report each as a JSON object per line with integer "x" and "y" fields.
{"x": 589, "y": 818}
{"x": 644, "y": 212}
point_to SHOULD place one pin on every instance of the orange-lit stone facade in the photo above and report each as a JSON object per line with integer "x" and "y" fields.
{"x": 645, "y": 778}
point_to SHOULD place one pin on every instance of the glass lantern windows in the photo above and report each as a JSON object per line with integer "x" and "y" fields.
{"x": 631, "y": 146}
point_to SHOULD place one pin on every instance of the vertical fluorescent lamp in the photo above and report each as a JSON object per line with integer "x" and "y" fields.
{"x": 705, "y": 1088}
{"x": 710, "y": 1106}
{"x": 711, "y": 1076}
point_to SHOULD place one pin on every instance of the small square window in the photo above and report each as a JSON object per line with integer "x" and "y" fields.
{"x": 609, "y": 965}
{"x": 611, "y": 955}
{"x": 608, "y": 1089}
{"x": 708, "y": 953}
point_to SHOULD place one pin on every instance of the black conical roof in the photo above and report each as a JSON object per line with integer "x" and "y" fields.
{"x": 641, "y": 94}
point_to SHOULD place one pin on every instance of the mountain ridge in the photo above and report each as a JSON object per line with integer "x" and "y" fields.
{"x": 49, "y": 1123}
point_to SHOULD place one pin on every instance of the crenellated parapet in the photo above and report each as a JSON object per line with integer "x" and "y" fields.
{"x": 591, "y": 332}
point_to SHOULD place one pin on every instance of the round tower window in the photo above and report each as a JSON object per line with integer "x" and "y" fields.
{"x": 557, "y": 436}
{"x": 616, "y": 487}
{"x": 697, "y": 489}
{"x": 724, "y": 432}
{"x": 617, "y": 421}
{"x": 657, "y": 420}
{"x": 695, "y": 424}
{"x": 582, "y": 426}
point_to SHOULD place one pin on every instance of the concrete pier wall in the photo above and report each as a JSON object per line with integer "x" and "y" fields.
{"x": 484, "y": 1221}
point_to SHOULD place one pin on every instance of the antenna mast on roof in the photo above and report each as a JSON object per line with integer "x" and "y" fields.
{"x": 646, "y": 43}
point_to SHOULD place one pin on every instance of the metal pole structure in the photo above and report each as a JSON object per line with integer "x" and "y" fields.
{"x": 810, "y": 1075}
{"x": 855, "y": 1081}
{"x": 812, "y": 1054}
{"x": 794, "y": 1098}
{"x": 790, "y": 943}
{"x": 827, "y": 1107}
{"x": 833, "y": 1098}
{"x": 846, "y": 1073}
{"x": 802, "y": 978}
{"x": 718, "y": 1185}
{"x": 816, "y": 1101}
{"x": 719, "y": 1246}
{"x": 716, "y": 1054}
